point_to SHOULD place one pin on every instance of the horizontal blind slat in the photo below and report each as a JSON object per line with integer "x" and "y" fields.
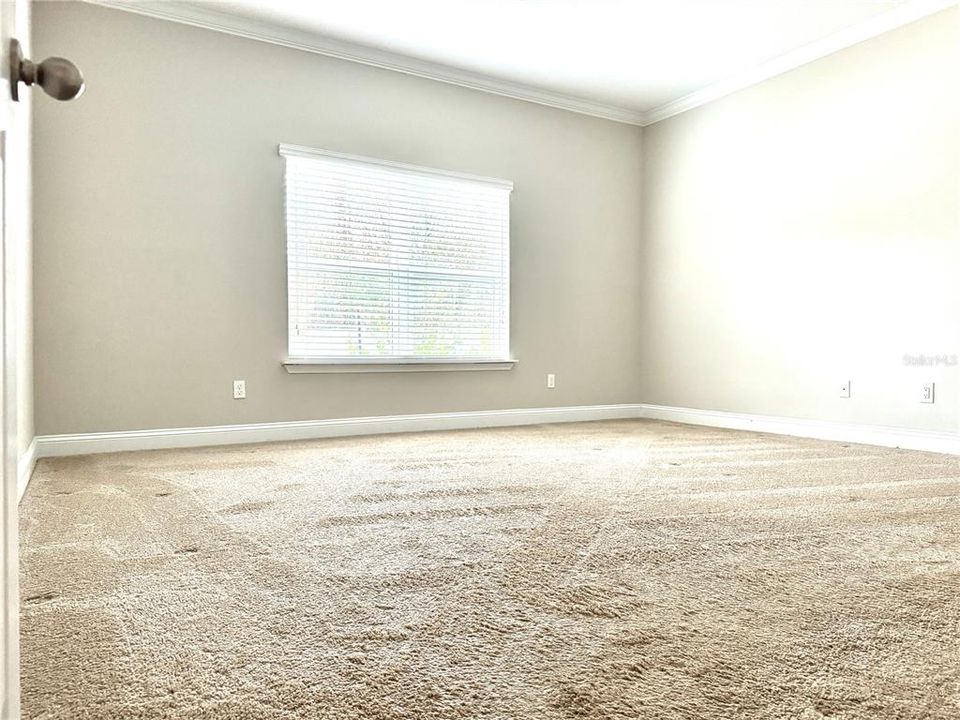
{"x": 398, "y": 224}
{"x": 333, "y": 172}
{"x": 380, "y": 193}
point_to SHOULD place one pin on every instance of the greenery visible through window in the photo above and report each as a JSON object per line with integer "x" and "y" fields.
{"x": 394, "y": 263}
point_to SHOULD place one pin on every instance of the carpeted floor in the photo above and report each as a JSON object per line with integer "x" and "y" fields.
{"x": 615, "y": 570}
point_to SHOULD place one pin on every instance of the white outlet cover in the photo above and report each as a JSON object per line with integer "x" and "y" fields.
{"x": 928, "y": 392}
{"x": 845, "y": 389}
{"x": 239, "y": 389}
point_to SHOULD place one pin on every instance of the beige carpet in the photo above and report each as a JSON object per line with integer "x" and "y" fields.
{"x": 626, "y": 569}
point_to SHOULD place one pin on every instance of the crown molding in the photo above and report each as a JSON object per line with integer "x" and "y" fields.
{"x": 204, "y": 17}
{"x": 877, "y": 25}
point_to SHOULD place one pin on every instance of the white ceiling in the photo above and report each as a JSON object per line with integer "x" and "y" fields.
{"x": 631, "y": 55}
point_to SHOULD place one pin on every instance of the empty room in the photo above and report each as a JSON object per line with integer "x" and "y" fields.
{"x": 480, "y": 359}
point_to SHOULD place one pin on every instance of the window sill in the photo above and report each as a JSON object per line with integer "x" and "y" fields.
{"x": 306, "y": 366}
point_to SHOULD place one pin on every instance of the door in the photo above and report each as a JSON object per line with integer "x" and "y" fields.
{"x": 8, "y": 543}
{"x": 14, "y": 235}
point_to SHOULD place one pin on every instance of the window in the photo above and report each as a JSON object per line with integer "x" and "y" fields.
{"x": 390, "y": 263}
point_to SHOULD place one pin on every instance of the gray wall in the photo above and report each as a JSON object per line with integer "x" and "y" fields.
{"x": 803, "y": 232}
{"x": 159, "y": 260}
{"x": 795, "y": 235}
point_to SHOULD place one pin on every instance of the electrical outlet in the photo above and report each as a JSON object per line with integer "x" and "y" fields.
{"x": 845, "y": 389}
{"x": 239, "y": 389}
{"x": 927, "y": 393}
{"x": 551, "y": 381}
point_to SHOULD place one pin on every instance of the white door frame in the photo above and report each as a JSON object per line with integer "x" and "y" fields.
{"x": 8, "y": 543}
{"x": 15, "y": 227}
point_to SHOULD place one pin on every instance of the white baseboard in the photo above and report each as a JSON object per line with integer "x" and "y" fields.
{"x": 25, "y": 466}
{"x": 87, "y": 443}
{"x": 929, "y": 440}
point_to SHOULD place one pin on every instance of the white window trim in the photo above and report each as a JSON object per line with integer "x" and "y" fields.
{"x": 297, "y": 366}
{"x": 302, "y": 366}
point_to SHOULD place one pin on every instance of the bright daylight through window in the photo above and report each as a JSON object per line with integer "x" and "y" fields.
{"x": 390, "y": 263}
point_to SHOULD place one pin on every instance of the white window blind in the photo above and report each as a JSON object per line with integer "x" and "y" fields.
{"x": 393, "y": 263}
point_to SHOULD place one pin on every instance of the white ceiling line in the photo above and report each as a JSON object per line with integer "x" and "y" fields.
{"x": 204, "y": 17}
{"x": 877, "y": 25}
